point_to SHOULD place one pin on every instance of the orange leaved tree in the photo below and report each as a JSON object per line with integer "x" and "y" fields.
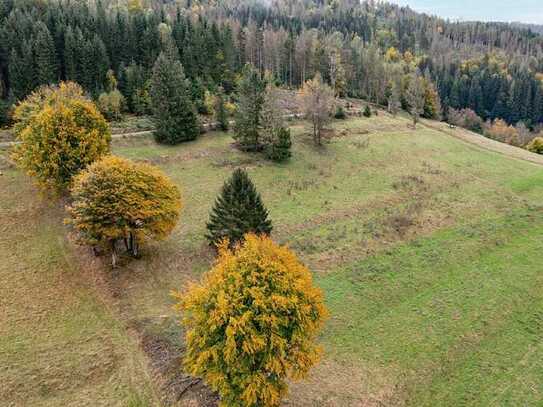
{"x": 118, "y": 200}
{"x": 252, "y": 322}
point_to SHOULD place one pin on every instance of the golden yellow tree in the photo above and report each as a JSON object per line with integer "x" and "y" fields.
{"x": 251, "y": 323}
{"x": 118, "y": 200}
{"x": 536, "y": 145}
{"x": 60, "y": 133}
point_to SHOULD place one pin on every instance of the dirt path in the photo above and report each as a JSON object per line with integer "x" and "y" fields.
{"x": 484, "y": 142}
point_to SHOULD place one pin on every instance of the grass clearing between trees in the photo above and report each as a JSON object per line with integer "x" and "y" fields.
{"x": 427, "y": 248}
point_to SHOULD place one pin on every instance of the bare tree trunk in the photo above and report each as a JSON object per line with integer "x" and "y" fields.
{"x": 113, "y": 254}
{"x": 134, "y": 245}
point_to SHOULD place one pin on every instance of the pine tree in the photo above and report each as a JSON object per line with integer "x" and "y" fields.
{"x": 248, "y": 118}
{"x": 279, "y": 149}
{"x": 46, "y": 60}
{"x": 220, "y": 111}
{"x": 70, "y": 55}
{"x": 173, "y": 111}
{"x": 237, "y": 211}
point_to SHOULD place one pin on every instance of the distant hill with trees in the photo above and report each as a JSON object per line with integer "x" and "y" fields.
{"x": 362, "y": 50}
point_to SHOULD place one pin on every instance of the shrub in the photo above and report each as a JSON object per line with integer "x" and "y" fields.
{"x": 116, "y": 199}
{"x": 111, "y": 104}
{"x": 141, "y": 101}
{"x": 465, "y": 118}
{"x": 279, "y": 149}
{"x": 251, "y": 323}
{"x": 340, "y": 113}
{"x": 499, "y": 130}
{"x": 5, "y": 116}
{"x": 59, "y": 140}
{"x": 237, "y": 211}
{"x": 536, "y": 145}
{"x": 367, "y": 111}
{"x": 209, "y": 103}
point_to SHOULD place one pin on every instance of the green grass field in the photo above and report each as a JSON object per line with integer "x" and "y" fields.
{"x": 428, "y": 250}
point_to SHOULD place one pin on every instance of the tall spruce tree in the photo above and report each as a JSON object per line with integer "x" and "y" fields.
{"x": 248, "y": 118}
{"x": 173, "y": 111}
{"x": 237, "y": 211}
{"x": 46, "y": 59}
{"x": 221, "y": 116}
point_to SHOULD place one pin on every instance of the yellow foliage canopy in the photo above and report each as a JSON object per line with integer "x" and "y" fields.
{"x": 116, "y": 198}
{"x": 60, "y": 133}
{"x": 252, "y": 322}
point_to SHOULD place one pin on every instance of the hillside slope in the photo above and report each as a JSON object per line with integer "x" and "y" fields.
{"x": 427, "y": 248}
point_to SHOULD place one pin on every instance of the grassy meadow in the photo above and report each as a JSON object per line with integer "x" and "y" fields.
{"x": 428, "y": 250}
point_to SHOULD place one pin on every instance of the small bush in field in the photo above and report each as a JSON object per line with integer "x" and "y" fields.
{"x": 112, "y": 104}
{"x": 536, "y": 145}
{"x": 367, "y": 111}
{"x": 340, "y": 113}
{"x": 251, "y": 323}
{"x": 465, "y": 118}
{"x": 279, "y": 149}
{"x": 499, "y": 130}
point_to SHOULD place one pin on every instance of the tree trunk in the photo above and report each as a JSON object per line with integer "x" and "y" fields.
{"x": 134, "y": 245}
{"x": 113, "y": 254}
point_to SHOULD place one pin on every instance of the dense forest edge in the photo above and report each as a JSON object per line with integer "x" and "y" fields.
{"x": 370, "y": 50}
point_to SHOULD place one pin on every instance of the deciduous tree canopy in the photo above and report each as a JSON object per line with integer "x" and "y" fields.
{"x": 116, "y": 199}
{"x": 60, "y": 133}
{"x": 251, "y": 323}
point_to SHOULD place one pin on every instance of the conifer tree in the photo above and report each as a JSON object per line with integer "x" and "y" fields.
{"x": 173, "y": 111}
{"x": 220, "y": 111}
{"x": 248, "y": 118}
{"x": 276, "y": 139}
{"x": 279, "y": 149}
{"x": 237, "y": 211}
{"x": 46, "y": 60}
{"x": 70, "y": 54}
